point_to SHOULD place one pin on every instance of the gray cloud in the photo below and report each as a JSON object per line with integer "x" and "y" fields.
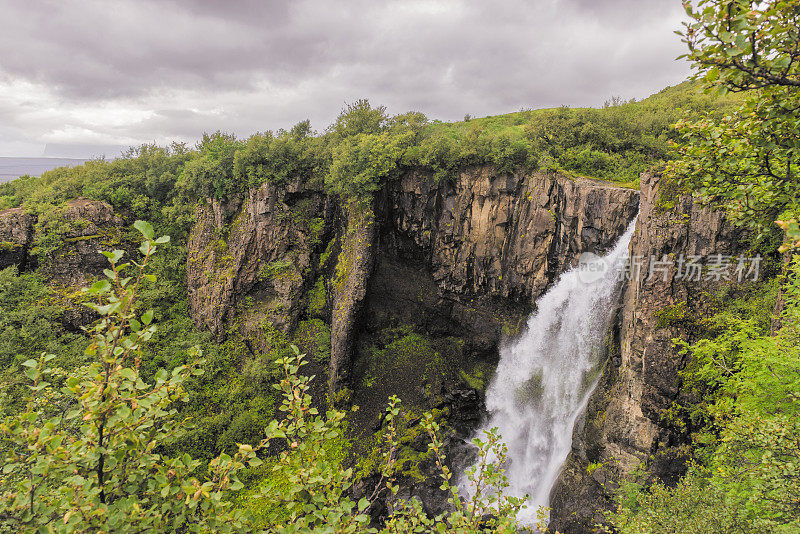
{"x": 142, "y": 70}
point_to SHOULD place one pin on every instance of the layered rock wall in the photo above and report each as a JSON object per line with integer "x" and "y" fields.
{"x": 508, "y": 235}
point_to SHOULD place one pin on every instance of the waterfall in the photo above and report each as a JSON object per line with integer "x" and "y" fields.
{"x": 544, "y": 379}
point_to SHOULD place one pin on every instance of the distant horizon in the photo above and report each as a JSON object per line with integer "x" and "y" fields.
{"x": 12, "y": 167}
{"x": 68, "y": 151}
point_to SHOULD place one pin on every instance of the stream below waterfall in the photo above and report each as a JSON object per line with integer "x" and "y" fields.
{"x": 544, "y": 379}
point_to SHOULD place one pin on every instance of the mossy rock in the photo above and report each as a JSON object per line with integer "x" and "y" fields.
{"x": 313, "y": 337}
{"x": 318, "y": 299}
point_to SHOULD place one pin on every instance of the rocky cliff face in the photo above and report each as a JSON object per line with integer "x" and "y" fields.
{"x": 464, "y": 258}
{"x": 625, "y": 425}
{"x": 87, "y": 226}
{"x": 427, "y": 278}
{"x": 251, "y": 259}
{"x": 353, "y": 270}
{"x": 506, "y": 235}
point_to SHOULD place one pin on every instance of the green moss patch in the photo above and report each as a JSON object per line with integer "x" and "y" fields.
{"x": 313, "y": 337}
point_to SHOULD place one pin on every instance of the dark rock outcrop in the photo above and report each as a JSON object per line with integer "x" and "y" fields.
{"x": 79, "y": 230}
{"x": 463, "y": 410}
{"x": 16, "y": 237}
{"x": 624, "y": 426}
{"x": 87, "y": 227}
{"x": 69, "y": 257}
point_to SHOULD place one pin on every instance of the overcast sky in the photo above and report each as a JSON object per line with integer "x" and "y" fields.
{"x": 125, "y": 72}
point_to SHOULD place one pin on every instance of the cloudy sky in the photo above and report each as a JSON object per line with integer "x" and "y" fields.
{"x": 124, "y": 72}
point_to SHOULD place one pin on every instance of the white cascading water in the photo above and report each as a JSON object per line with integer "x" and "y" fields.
{"x": 543, "y": 381}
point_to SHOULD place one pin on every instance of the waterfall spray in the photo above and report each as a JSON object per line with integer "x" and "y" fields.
{"x": 544, "y": 379}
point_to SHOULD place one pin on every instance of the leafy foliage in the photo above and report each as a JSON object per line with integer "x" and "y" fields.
{"x": 210, "y": 174}
{"x": 487, "y": 510}
{"x": 85, "y": 457}
{"x": 89, "y": 452}
{"x": 749, "y": 159}
{"x": 310, "y": 486}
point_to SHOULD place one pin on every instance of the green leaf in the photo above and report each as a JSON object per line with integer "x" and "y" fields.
{"x": 114, "y": 256}
{"x": 145, "y": 228}
{"x": 128, "y": 374}
{"x": 147, "y": 317}
{"x": 101, "y": 286}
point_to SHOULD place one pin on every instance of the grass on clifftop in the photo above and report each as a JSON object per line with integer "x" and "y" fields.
{"x": 615, "y": 143}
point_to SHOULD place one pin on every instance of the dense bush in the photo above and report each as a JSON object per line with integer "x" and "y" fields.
{"x": 30, "y": 323}
{"x": 750, "y": 160}
{"x": 84, "y": 457}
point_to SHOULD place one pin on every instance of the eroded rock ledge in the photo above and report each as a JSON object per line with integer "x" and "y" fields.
{"x": 76, "y": 232}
